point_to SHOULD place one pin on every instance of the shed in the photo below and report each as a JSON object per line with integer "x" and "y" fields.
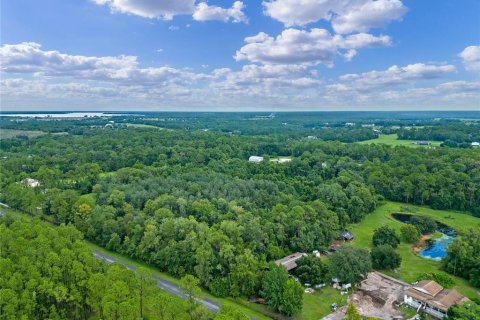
{"x": 347, "y": 235}
{"x": 290, "y": 262}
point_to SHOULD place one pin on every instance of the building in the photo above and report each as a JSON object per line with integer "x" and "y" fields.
{"x": 347, "y": 235}
{"x": 476, "y": 144}
{"x": 432, "y": 298}
{"x": 32, "y": 183}
{"x": 284, "y": 160}
{"x": 255, "y": 159}
{"x": 422, "y": 143}
{"x": 290, "y": 262}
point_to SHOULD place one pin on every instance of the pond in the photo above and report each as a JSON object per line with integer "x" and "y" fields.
{"x": 438, "y": 249}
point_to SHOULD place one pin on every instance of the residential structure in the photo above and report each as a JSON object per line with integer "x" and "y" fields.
{"x": 32, "y": 183}
{"x": 475, "y": 144}
{"x": 290, "y": 262}
{"x": 432, "y": 298}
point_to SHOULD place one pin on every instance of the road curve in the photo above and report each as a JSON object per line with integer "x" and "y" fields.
{"x": 161, "y": 282}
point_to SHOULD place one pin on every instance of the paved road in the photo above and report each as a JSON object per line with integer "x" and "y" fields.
{"x": 161, "y": 282}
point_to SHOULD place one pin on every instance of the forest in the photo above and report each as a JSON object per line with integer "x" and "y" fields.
{"x": 189, "y": 202}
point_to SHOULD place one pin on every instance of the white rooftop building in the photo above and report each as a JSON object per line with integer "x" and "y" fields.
{"x": 475, "y": 144}
{"x": 32, "y": 183}
{"x": 255, "y": 159}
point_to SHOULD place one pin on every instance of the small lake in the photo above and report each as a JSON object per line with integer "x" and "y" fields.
{"x": 438, "y": 249}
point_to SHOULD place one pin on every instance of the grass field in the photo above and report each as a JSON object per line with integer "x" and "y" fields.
{"x": 139, "y": 125}
{"x": 413, "y": 265}
{"x": 12, "y": 133}
{"x": 391, "y": 140}
{"x": 317, "y": 305}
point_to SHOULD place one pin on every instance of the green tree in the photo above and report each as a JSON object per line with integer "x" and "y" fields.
{"x": 350, "y": 264}
{"x": 352, "y": 313}
{"x": 410, "y": 233}
{"x": 292, "y": 297}
{"x": 385, "y": 257}
{"x": 424, "y": 223}
{"x": 273, "y": 285}
{"x": 189, "y": 285}
{"x": 385, "y": 235}
{"x": 311, "y": 269}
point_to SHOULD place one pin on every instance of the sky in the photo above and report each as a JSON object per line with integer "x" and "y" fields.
{"x": 279, "y": 55}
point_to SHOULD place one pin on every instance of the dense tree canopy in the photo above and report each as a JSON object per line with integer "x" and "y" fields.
{"x": 49, "y": 273}
{"x": 185, "y": 198}
{"x": 350, "y": 264}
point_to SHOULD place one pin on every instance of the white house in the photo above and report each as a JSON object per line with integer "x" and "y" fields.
{"x": 432, "y": 298}
{"x": 284, "y": 160}
{"x": 32, "y": 183}
{"x": 475, "y": 144}
{"x": 255, "y": 159}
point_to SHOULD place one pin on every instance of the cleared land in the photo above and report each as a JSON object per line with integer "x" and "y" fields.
{"x": 12, "y": 133}
{"x": 392, "y": 140}
{"x": 412, "y": 265}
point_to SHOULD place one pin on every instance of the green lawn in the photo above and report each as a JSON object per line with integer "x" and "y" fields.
{"x": 139, "y": 125}
{"x": 413, "y": 265}
{"x": 317, "y": 305}
{"x": 391, "y": 139}
{"x": 12, "y": 133}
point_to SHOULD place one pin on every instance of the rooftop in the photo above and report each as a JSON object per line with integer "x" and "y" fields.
{"x": 290, "y": 262}
{"x": 430, "y": 292}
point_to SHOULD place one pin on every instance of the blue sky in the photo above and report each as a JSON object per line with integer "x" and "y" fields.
{"x": 240, "y": 55}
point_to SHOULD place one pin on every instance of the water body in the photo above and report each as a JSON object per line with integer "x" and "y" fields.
{"x": 438, "y": 249}
{"x": 61, "y": 115}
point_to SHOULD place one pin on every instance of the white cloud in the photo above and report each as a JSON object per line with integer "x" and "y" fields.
{"x": 167, "y": 9}
{"x": 393, "y": 76}
{"x": 301, "y": 46}
{"x": 204, "y": 12}
{"x": 164, "y": 9}
{"x": 52, "y": 79}
{"x": 28, "y": 57}
{"x": 471, "y": 58}
{"x": 346, "y": 16}
{"x": 370, "y": 14}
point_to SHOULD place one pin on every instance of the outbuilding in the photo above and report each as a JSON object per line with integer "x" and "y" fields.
{"x": 255, "y": 159}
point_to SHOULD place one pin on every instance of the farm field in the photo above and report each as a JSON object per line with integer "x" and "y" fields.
{"x": 391, "y": 140}
{"x": 412, "y": 265}
{"x": 12, "y": 133}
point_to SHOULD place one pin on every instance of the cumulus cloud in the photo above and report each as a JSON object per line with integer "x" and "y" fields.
{"x": 28, "y": 57}
{"x": 46, "y": 78}
{"x": 300, "y": 46}
{"x": 471, "y": 58}
{"x": 393, "y": 75}
{"x": 204, "y": 12}
{"x": 167, "y": 9}
{"x": 346, "y": 16}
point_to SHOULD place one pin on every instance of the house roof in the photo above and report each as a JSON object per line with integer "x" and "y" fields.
{"x": 429, "y": 287}
{"x": 428, "y": 291}
{"x": 290, "y": 262}
{"x": 347, "y": 235}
